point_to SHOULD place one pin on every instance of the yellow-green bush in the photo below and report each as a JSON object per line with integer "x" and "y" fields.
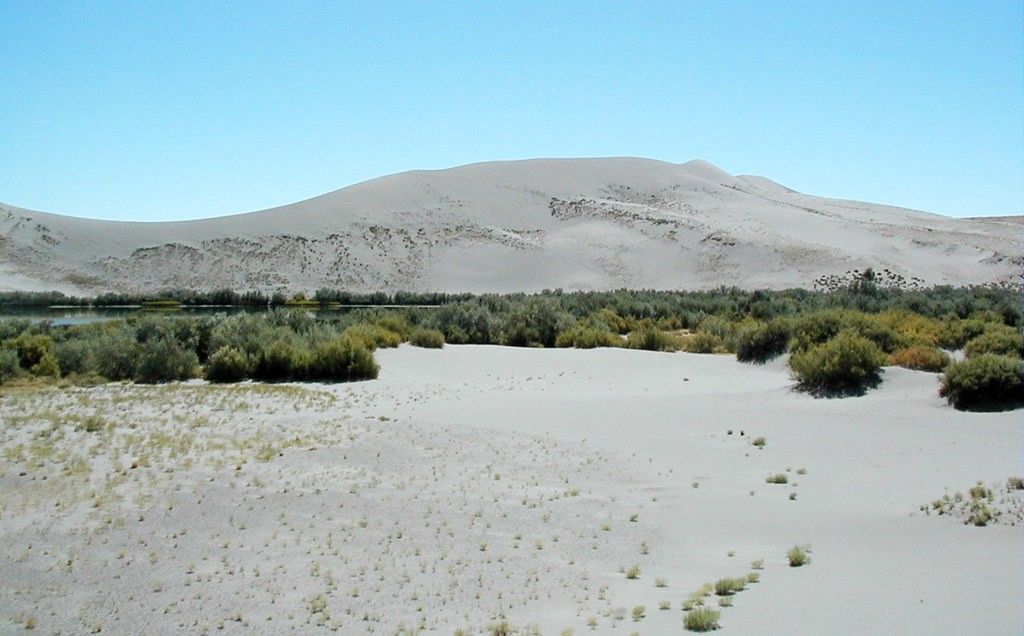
{"x": 1000, "y": 340}
{"x": 846, "y": 364}
{"x": 984, "y": 382}
{"x": 426, "y": 338}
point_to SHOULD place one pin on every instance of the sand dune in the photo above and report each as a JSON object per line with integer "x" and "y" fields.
{"x": 515, "y": 226}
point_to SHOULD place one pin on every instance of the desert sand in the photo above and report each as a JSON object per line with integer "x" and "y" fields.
{"x": 576, "y": 224}
{"x": 474, "y": 484}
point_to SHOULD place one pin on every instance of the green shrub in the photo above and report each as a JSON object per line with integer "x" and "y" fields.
{"x": 372, "y": 336}
{"x": 228, "y": 364}
{"x": 701, "y": 619}
{"x": 164, "y": 359}
{"x": 763, "y": 341}
{"x": 339, "y": 360}
{"x": 535, "y": 323}
{"x": 31, "y": 348}
{"x": 75, "y": 356}
{"x": 847, "y": 364}
{"x": 47, "y": 366}
{"x": 275, "y": 362}
{"x": 427, "y": 338}
{"x": 984, "y": 382}
{"x": 703, "y": 342}
{"x": 1003, "y": 341}
{"x": 727, "y": 587}
{"x": 650, "y": 338}
{"x": 116, "y": 354}
{"x": 956, "y": 332}
{"x": 9, "y": 367}
{"x": 920, "y": 358}
{"x": 584, "y": 336}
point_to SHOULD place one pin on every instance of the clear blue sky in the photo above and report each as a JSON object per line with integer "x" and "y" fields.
{"x": 174, "y": 110}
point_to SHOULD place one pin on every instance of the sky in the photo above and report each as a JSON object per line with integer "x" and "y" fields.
{"x": 177, "y": 110}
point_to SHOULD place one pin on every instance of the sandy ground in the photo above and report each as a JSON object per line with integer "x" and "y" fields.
{"x": 475, "y": 484}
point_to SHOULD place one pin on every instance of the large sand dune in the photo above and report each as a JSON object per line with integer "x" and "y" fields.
{"x": 516, "y": 226}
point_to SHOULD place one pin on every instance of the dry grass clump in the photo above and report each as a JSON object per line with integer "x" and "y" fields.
{"x": 983, "y": 505}
{"x": 701, "y": 619}
{"x": 777, "y": 478}
{"x": 729, "y": 586}
{"x": 798, "y": 557}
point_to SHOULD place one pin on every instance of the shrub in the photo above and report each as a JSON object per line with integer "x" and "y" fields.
{"x": 778, "y": 478}
{"x": 47, "y": 366}
{"x": 701, "y": 619}
{"x": 956, "y": 333}
{"x": 228, "y": 364}
{"x": 338, "y": 360}
{"x": 797, "y": 557}
{"x": 846, "y": 364}
{"x": 31, "y": 348}
{"x": 984, "y": 382}
{"x": 650, "y": 338}
{"x": 727, "y": 587}
{"x": 275, "y": 362}
{"x": 427, "y": 338}
{"x": 703, "y": 342}
{"x": 920, "y": 358}
{"x": 1005, "y": 341}
{"x": 537, "y": 323}
{"x": 75, "y": 356}
{"x": 115, "y": 354}
{"x": 372, "y": 336}
{"x": 583, "y": 336}
{"x": 763, "y": 341}
{"x": 9, "y": 367}
{"x": 164, "y": 359}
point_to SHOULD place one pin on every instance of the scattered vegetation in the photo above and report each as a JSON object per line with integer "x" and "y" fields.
{"x": 983, "y": 505}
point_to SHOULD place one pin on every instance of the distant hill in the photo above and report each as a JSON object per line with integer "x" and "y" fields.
{"x": 516, "y": 226}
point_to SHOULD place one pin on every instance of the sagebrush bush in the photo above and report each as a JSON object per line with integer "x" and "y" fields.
{"x": 427, "y": 338}
{"x": 75, "y": 356}
{"x": 339, "y": 360}
{"x": 9, "y": 366}
{"x": 584, "y": 336}
{"x": 846, "y": 364}
{"x": 372, "y": 336}
{"x": 116, "y": 354}
{"x": 275, "y": 362}
{"x": 650, "y": 338}
{"x": 228, "y": 364}
{"x": 164, "y": 359}
{"x": 701, "y": 619}
{"x": 920, "y": 358}
{"x": 956, "y": 332}
{"x": 984, "y": 382}
{"x": 1003, "y": 341}
{"x": 762, "y": 341}
{"x": 703, "y": 342}
{"x": 31, "y": 348}
{"x": 536, "y": 323}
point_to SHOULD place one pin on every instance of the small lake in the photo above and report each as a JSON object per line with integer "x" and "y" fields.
{"x": 66, "y": 315}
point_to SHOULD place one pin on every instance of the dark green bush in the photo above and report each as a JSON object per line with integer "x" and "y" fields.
{"x": 115, "y": 354}
{"x": 276, "y": 362}
{"x": 957, "y": 332}
{"x": 339, "y": 360}
{"x": 164, "y": 359}
{"x": 534, "y": 324}
{"x": 985, "y": 382}
{"x": 75, "y": 356}
{"x": 31, "y": 348}
{"x": 1003, "y": 341}
{"x": 763, "y": 341}
{"x": 846, "y": 364}
{"x": 427, "y": 338}
{"x": 228, "y": 364}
